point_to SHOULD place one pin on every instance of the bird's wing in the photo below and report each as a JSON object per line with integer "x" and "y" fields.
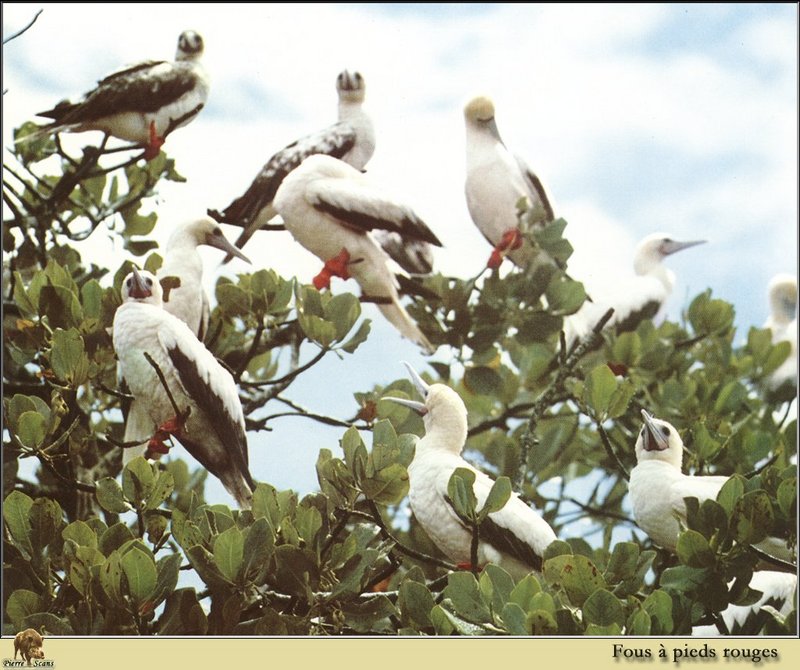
{"x": 535, "y": 185}
{"x": 205, "y": 316}
{"x": 145, "y": 88}
{"x": 700, "y": 487}
{"x": 414, "y": 256}
{"x": 363, "y": 208}
{"x": 335, "y": 141}
{"x": 210, "y": 386}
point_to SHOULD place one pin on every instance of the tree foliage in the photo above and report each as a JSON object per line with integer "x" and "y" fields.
{"x": 92, "y": 548}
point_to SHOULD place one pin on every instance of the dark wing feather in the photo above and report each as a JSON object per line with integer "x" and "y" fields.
{"x": 228, "y": 430}
{"x": 504, "y": 540}
{"x": 536, "y": 186}
{"x": 334, "y": 141}
{"x": 127, "y": 91}
{"x": 414, "y": 256}
{"x": 634, "y": 318}
{"x": 409, "y": 226}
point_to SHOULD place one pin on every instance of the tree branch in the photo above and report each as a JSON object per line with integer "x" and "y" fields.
{"x": 6, "y": 40}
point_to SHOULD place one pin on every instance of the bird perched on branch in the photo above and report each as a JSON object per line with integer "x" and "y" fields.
{"x": 142, "y": 103}
{"x": 202, "y": 409}
{"x": 634, "y": 299}
{"x": 782, "y": 322}
{"x": 658, "y": 487}
{"x": 515, "y": 537}
{"x": 351, "y": 138}
{"x": 497, "y": 182}
{"x": 331, "y": 209}
{"x": 188, "y": 302}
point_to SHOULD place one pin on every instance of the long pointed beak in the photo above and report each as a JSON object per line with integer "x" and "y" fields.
{"x": 139, "y": 289}
{"x": 418, "y": 407}
{"x": 672, "y": 246}
{"x": 421, "y": 385}
{"x": 221, "y": 242}
{"x": 654, "y": 440}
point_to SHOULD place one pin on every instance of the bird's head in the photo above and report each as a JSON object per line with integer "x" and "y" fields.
{"x": 190, "y": 46}
{"x": 479, "y": 114}
{"x": 655, "y": 248}
{"x": 443, "y": 412}
{"x": 658, "y": 441}
{"x": 142, "y": 287}
{"x": 350, "y": 86}
{"x": 783, "y": 298}
{"x": 203, "y": 231}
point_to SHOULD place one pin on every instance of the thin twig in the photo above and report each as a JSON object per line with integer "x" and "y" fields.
{"x": 19, "y": 32}
{"x": 610, "y": 451}
{"x": 290, "y": 375}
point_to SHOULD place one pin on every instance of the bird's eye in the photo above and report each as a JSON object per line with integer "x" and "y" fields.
{"x": 148, "y": 281}
{"x": 129, "y": 282}
{"x": 665, "y": 431}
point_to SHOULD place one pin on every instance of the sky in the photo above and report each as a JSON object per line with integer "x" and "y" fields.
{"x": 637, "y": 119}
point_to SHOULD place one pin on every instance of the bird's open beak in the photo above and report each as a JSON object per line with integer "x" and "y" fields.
{"x": 139, "y": 289}
{"x": 421, "y": 386}
{"x": 654, "y": 440}
{"x": 220, "y": 242}
{"x": 672, "y": 246}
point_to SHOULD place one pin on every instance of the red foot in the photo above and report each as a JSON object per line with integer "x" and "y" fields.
{"x": 335, "y": 267}
{"x": 512, "y": 239}
{"x": 155, "y": 445}
{"x": 467, "y": 566}
{"x": 154, "y": 147}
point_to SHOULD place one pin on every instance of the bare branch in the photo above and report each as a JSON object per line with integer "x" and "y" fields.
{"x": 19, "y": 32}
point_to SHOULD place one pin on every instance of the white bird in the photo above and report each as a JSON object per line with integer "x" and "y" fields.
{"x": 777, "y": 597}
{"x": 331, "y": 208}
{"x": 657, "y": 487}
{"x": 142, "y": 103}
{"x": 514, "y": 537}
{"x": 214, "y": 430}
{"x": 634, "y": 299}
{"x": 351, "y": 138}
{"x": 189, "y": 302}
{"x": 496, "y": 182}
{"x": 782, "y": 321}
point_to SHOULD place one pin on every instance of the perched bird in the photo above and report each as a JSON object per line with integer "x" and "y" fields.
{"x": 496, "y": 183}
{"x": 514, "y": 537}
{"x": 331, "y": 208}
{"x": 634, "y": 299}
{"x": 351, "y": 138}
{"x": 782, "y": 322}
{"x": 142, "y": 103}
{"x": 657, "y": 487}
{"x": 189, "y": 302}
{"x": 777, "y": 597}
{"x": 214, "y": 430}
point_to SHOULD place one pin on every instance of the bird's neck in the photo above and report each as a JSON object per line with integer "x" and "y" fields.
{"x": 448, "y": 433}
{"x": 651, "y": 266}
{"x": 349, "y": 110}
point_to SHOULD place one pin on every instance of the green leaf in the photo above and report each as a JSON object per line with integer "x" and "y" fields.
{"x": 599, "y": 389}
{"x": 114, "y": 537}
{"x": 229, "y": 553}
{"x": 604, "y": 609}
{"x": 415, "y": 602}
{"x": 23, "y": 603}
{"x": 627, "y": 349}
{"x": 68, "y": 357}
{"x": 258, "y": 547}
{"x": 138, "y": 480}
{"x": 482, "y": 380}
{"x": 232, "y": 300}
{"x": 497, "y": 498}
{"x": 343, "y": 311}
{"x": 693, "y": 550}
{"x": 463, "y": 592}
{"x": 162, "y": 489}
{"x": 140, "y": 572}
{"x": 358, "y": 338}
{"x": 31, "y": 429}
{"x": 514, "y": 619}
{"x": 47, "y": 623}
{"x": 110, "y": 497}
{"x": 752, "y": 517}
{"x": 623, "y": 562}
{"x": 46, "y": 520}
{"x": 461, "y": 494}
{"x": 183, "y": 615}
{"x": 111, "y": 578}
{"x": 524, "y": 591}
{"x": 577, "y": 575}
{"x": 168, "y": 569}
{"x": 80, "y": 533}
{"x": 787, "y": 496}
{"x": 730, "y": 492}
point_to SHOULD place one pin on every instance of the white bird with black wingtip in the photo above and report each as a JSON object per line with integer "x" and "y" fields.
{"x": 189, "y": 302}
{"x": 496, "y": 182}
{"x": 657, "y": 487}
{"x": 634, "y": 299}
{"x": 331, "y": 209}
{"x": 515, "y": 537}
{"x": 214, "y": 430}
{"x": 141, "y": 103}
